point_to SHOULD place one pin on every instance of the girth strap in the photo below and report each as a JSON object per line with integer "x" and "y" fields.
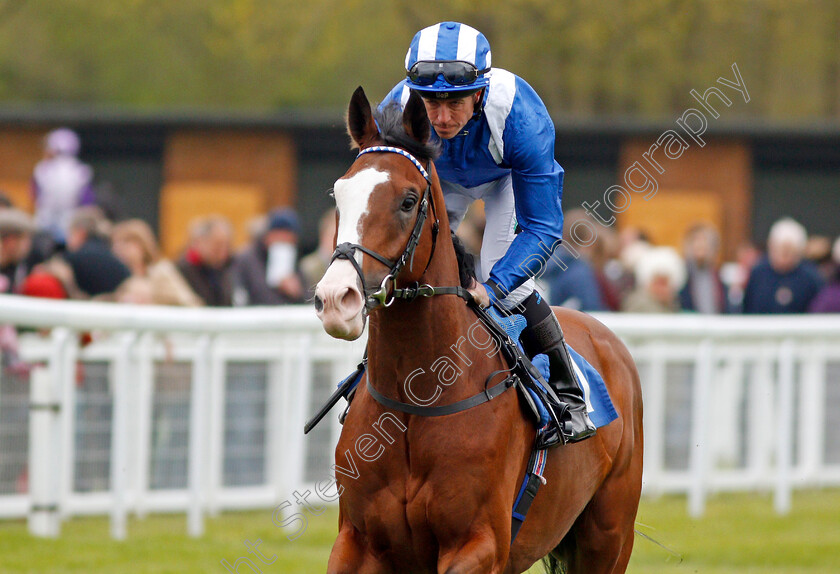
{"x": 528, "y": 491}
{"x": 456, "y": 407}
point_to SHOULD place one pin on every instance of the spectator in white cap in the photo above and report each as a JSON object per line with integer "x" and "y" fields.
{"x": 660, "y": 274}
{"x": 60, "y": 183}
{"x": 783, "y": 282}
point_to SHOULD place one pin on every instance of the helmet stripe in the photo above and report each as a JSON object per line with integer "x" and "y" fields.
{"x": 447, "y": 41}
{"x": 482, "y": 49}
{"x": 411, "y": 55}
{"x": 427, "y": 43}
{"x": 467, "y": 43}
{"x": 406, "y": 93}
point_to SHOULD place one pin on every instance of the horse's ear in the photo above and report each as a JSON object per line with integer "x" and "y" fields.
{"x": 360, "y": 122}
{"x": 415, "y": 119}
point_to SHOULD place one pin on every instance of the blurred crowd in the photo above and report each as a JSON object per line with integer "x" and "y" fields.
{"x": 626, "y": 271}
{"x": 71, "y": 249}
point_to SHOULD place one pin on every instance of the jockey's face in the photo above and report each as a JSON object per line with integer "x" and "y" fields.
{"x": 449, "y": 117}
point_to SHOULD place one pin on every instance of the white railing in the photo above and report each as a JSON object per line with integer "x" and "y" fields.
{"x": 146, "y": 417}
{"x": 201, "y": 410}
{"x": 737, "y": 402}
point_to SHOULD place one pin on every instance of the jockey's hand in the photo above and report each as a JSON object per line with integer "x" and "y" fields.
{"x": 479, "y": 293}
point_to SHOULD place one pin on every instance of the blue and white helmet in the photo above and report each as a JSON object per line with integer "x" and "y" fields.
{"x": 448, "y": 44}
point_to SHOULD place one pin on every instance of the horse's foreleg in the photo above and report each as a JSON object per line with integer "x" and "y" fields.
{"x": 480, "y": 555}
{"x": 349, "y": 557}
{"x": 604, "y": 532}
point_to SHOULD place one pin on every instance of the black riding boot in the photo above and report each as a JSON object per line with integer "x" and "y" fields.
{"x": 543, "y": 335}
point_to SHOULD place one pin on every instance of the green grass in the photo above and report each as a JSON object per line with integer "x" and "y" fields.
{"x": 739, "y": 534}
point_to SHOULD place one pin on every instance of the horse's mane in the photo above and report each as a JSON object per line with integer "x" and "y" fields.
{"x": 466, "y": 262}
{"x": 389, "y": 119}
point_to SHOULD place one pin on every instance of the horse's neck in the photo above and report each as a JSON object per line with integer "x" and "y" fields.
{"x": 411, "y": 336}
{"x": 425, "y": 325}
{"x": 429, "y": 334}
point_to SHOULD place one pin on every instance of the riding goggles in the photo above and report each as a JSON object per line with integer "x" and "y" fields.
{"x": 455, "y": 72}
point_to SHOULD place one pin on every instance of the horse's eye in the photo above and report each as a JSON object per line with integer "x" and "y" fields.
{"x": 408, "y": 203}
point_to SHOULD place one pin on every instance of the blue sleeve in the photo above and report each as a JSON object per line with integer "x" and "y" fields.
{"x": 537, "y": 188}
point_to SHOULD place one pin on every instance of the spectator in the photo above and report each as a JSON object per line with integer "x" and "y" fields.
{"x": 660, "y": 274}
{"x": 136, "y": 290}
{"x": 602, "y": 255}
{"x": 96, "y": 270}
{"x": 42, "y": 283}
{"x": 134, "y": 243}
{"x": 60, "y": 183}
{"x": 704, "y": 291}
{"x": 570, "y": 279}
{"x": 818, "y": 252}
{"x": 16, "y": 230}
{"x": 828, "y": 299}
{"x": 621, "y": 271}
{"x": 735, "y": 274}
{"x": 206, "y": 264}
{"x": 314, "y": 265}
{"x": 52, "y": 279}
{"x": 782, "y": 282}
{"x": 264, "y": 273}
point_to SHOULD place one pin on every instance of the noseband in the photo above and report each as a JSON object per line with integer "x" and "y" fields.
{"x": 387, "y": 292}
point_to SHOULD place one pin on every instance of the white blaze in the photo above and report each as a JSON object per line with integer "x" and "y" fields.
{"x": 352, "y": 196}
{"x": 341, "y": 301}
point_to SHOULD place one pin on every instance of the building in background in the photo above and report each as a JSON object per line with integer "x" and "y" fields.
{"x": 168, "y": 169}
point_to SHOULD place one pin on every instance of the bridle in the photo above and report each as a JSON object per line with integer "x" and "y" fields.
{"x": 387, "y": 292}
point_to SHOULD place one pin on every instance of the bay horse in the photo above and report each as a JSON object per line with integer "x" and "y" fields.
{"x": 434, "y": 494}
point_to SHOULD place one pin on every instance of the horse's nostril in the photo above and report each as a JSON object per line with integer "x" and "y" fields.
{"x": 350, "y": 299}
{"x": 319, "y": 304}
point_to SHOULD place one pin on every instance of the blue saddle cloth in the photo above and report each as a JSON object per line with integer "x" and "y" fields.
{"x": 598, "y": 403}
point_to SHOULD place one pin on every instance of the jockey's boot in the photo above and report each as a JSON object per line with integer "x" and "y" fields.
{"x": 546, "y": 337}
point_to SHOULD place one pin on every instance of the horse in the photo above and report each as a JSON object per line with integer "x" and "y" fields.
{"x": 434, "y": 494}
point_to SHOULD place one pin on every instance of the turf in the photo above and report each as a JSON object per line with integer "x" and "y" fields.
{"x": 739, "y": 534}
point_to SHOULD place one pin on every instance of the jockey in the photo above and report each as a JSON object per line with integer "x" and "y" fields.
{"x": 497, "y": 144}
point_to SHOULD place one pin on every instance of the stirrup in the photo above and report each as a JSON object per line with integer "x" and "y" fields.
{"x": 555, "y": 432}
{"x": 569, "y": 419}
{"x": 578, "y": 419}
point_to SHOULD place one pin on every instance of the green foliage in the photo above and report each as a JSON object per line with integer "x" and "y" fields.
{"x": 584, "y": 57}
